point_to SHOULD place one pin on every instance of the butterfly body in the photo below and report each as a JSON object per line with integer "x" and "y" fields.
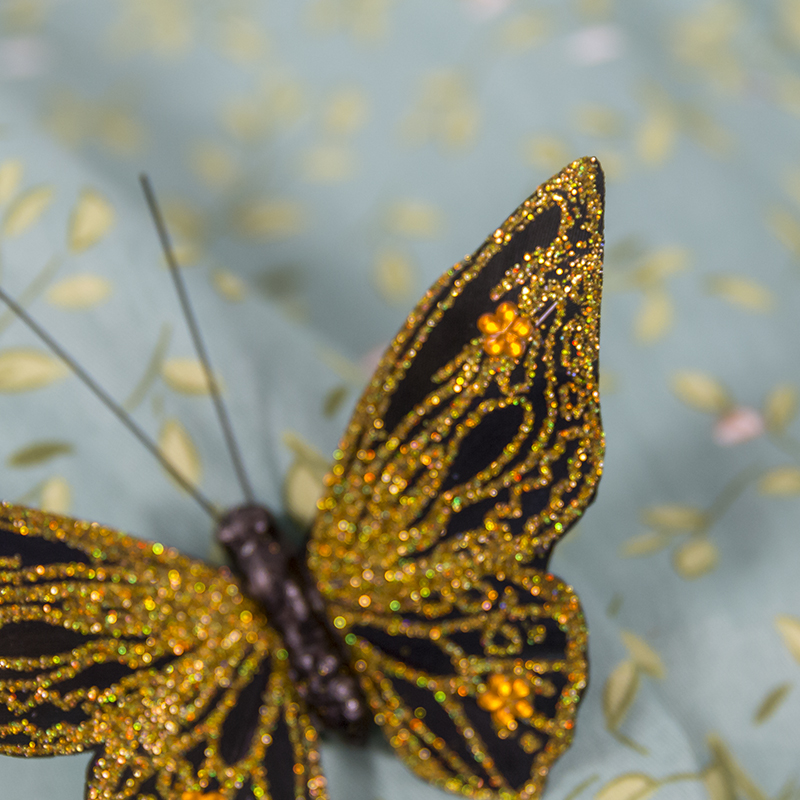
{"x": 475, "y": 446}
{"x": 318, "y": 663}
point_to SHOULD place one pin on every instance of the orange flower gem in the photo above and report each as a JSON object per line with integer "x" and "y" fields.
{"x": 505, "y": 331}
{"x": 506, "y": 699}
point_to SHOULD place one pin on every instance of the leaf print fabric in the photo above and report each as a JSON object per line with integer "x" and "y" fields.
{"x": 319, "y": 167}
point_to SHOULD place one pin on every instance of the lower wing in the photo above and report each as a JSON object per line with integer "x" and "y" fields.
{"x": 480, "y": 699}
{"x": 155, "y": 661}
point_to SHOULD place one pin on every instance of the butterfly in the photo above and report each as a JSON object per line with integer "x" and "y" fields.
{"x": 474, "y": 448}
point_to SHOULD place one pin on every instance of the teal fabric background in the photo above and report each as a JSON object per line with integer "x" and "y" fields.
{"x": 321, "y": 163}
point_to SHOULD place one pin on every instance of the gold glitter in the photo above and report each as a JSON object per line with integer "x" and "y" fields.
{"x": 202, "y": 796}
{"x": 455, "y": 535}
{"x": 185, "y": 640}
{"x": 468, "y": 456}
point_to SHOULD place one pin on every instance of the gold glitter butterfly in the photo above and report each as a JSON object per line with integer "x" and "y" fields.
{"x": 476, "y": 445}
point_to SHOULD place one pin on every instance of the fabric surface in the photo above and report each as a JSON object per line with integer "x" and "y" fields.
{"x": 321, "y": 163}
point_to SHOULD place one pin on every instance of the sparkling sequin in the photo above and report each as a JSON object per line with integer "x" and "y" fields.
{"x": 505, "y": 332}
{"x": 156, "y": 650}
{"x": 461, "y": 468}
{"x": 476, "y": 445}
{"x": 506, "y": 699}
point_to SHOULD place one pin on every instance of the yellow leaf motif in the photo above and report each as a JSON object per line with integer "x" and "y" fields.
{"x": 79, "y": 292}
{"x": 415, "y": 219}
{"x": 302, "y": 488}
{"x": 26, "y": 210}
{"x": 178, "y": 448}
{"x": 789, "y": 629}
{"x": 740, "y": 784}
{"x": 643, "y": 654}
{"x": 285, "y": 101}
{"x": 780, "y": 407}
{"x": 523, "y": 31}
{"x": 229, "y": 285}
{"x": 346, "y": 111}
{"x": 184, "y": 220}
{"x": 393, "y": 275}
{"x": 654, "y": 317}
{"x": 631, "y": 786}
{"x": 186, "y": 375}
{"x": 738, "y": 778}
{"x": 771, "y": 703}
{"x": 163, "y": 26}
{"x": 55, "y": 496}
{"x": 786, "y": 228}
{"x": 38, "y": 453}
{"x": 10, "y": 178}
{"x": 334, "y": 399}
{"x": 741, "y": 292}
{"x": 619, "y": 693}
{"x": 91, "y": 218}
{"x": 328, "y": 163}
{"x": 791, "y": 183}
{"x": 186, "y": 253}
{"x": 446, "y": 112}
{"x": 659, "y": 265}
{"x": 718, "y": 783}
{"x": 213, "y": 164}
{"x": 242, "y": 39}
{"x": 655, "y": 139}
{"x": 304, "y": 483}
{"x": 270, "y": 219}
{"x": 706, "y": 130}
{"x": 701, "y": 391}
{"x": 704, "y": 41}
{"x": 781, "y": 482}
{"x": 674, "y": 518}
{"x": 789, "y": 20}
{"x": 545, "y": 152}
{"x": 244, "y": 118}
{"x": 695, "y": 558}
{"x": 23, "y": 370}
{"x": 645, "y": 544}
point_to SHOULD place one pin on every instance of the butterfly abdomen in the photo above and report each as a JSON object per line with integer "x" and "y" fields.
{"x": 316, "y": 655}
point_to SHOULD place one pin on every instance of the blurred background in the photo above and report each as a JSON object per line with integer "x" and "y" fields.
{"x": 320, "y": 163}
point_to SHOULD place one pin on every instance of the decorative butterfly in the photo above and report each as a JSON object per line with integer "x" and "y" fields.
{"x": 424, "y": 597}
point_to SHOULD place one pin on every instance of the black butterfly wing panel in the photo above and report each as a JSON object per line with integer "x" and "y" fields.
{"x": 479, "y": 437}
{"x": 477, "y": 444}
{"x": 156, "y": 662}
{"x": 482, "y": 700}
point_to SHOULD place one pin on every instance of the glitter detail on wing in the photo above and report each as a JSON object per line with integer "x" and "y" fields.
{"x": 476, "y": 445}
{"x": 155, "y": 661}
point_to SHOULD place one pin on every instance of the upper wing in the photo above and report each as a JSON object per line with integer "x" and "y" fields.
{"x": 476, "y": 445}
{"x": 478, "y": 441}
{"x": 157, "y": 662}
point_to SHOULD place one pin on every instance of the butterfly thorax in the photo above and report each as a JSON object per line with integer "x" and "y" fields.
{"x": 295, "y": 608}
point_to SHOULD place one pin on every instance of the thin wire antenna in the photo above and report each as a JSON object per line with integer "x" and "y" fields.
{"x": 194, "y": 330}
{"x": 111, "y": 404}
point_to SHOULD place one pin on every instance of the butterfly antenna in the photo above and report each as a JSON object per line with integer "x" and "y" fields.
{"x": 109, "y": 402}
{"x": 194, "y": 330}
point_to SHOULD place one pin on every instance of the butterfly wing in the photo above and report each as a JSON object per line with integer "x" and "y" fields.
{"x": 477, "y": 444}
{"x": 155, "y": 661}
